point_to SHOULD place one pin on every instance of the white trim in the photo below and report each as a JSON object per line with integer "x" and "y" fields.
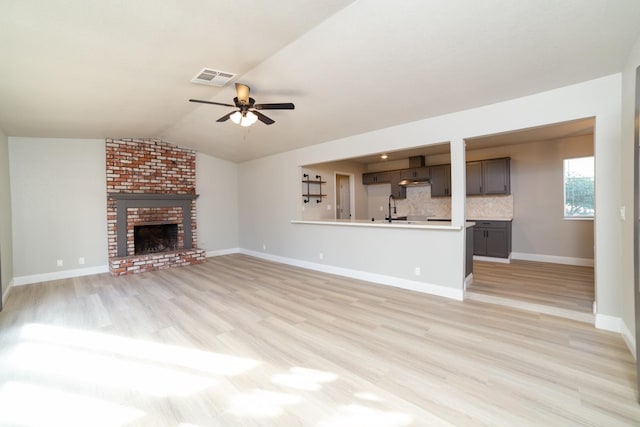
{"x": 56, "y": 275}
{"x": 492, "y": 259}
{"x": 221, "y": 252}
{"x": 427, "y": 288}
{"x": 608, "y": 323}
{"x": 5, "y": 292}
{"x": 467, "y": 281}
{"x": 536, "y": 308}
{"x": 585, "y": 262}
{"x": 629, "y": 339}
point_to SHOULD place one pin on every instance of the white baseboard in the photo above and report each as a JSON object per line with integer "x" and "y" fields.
{"x": 56, "y": 275}
{"x": 629, "y": 339}
{"x": 468, "y": 280}
{"x": 65, "y": 274}
{"x": 586, "y": 262}
{"x": 427, "y": 288}
{"x": 221, "y": 252}
{"x": 608, "y": 323}
{"x": 492, "y": 259}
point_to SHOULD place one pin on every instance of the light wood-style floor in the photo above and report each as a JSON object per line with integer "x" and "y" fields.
{"x": 565, "y": 287}
{"x": 240, "y": 341}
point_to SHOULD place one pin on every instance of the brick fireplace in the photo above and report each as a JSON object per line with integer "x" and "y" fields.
{"x": 150, "y": 183}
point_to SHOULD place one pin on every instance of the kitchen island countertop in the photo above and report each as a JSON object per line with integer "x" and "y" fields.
{"x": 427, "y": 225}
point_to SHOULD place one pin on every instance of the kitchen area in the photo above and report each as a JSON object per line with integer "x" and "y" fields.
{"x": 510, "y": 196}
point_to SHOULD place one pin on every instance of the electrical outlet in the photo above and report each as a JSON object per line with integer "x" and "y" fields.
{"x": 381, "y": 208}
{"x": 321, "y": 255}
{"x": 81, "y": 260}
{"x": 328, "y": 207}
{"x": 623, "y": 213}
{"x": 264, "y": 246}
{"x": 59, "y": 263}
{"x": 418, "y": 271}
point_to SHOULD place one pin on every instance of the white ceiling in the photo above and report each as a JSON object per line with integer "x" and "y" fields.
{"x": 96, "y": 69}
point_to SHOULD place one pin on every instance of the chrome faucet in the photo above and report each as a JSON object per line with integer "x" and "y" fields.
{"x": 394, "y": 206}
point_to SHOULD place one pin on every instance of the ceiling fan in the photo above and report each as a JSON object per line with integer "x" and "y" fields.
{"x": 247, "y": 113}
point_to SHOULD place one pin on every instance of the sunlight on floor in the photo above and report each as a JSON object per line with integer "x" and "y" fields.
{"x": 211, "y": 363}
{"x": 262, "y": 403}
{"x": 57, "y": 376}
{"x": 361, "y": 416}
{"x": 365, "y": 395}
{"x": 85, "y": 367}
{"x": 304, "y": 379}
{"x": 36, "y": 406}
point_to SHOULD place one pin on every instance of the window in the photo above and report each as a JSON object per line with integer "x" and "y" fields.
{"x": 579, "y": 188}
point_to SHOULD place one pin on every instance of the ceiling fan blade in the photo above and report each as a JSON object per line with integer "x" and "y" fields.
{"x": 225, "y": 117}
{"x": 211, "y": 102}
{"x": 243, "y": 93}
{"x": 264, "y": 119}
{"x": 276, "y": 106}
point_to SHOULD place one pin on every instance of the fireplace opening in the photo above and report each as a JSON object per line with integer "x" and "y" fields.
{"x": 148, "y": 239}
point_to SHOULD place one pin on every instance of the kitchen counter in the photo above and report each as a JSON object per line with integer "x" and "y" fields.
{"x": 490, "y": 219}
{"x": 424, "y": 225}
{"x": 475, "y": 219}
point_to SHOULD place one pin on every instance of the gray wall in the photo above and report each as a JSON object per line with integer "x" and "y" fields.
{"x": 627, "y": 185}
{"x": 326, "y": 209}
{"x": 217, "y": 206}
{"x": 270, "y": 191}
{"x": 59, "y": 204}
{"x": 6, "y": 247}
{"x": 58, "y": 189}
{"x": 539, "y": 227}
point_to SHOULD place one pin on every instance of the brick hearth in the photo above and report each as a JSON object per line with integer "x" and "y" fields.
{"x": 150, "y": 182}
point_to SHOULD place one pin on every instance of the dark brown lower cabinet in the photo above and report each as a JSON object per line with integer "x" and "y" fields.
{"x": 492, "y": 238}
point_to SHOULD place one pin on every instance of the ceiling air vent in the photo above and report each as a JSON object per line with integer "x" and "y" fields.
{"x": 212, "y": 77}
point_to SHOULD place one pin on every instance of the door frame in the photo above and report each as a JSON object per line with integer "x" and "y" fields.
{"x": 636, "y": 223}
{"x": 352, "y": 190}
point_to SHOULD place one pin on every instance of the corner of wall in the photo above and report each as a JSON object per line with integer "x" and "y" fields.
{"x": 5, "y": 293}
{"x": 628, "y": 338}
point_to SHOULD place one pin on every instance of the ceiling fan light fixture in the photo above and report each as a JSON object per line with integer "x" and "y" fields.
{"x": 244, "y": 116}
{"x": 236, "y": 117}
{"x": 248, "y": 119}
{"x": 244, "y": 119}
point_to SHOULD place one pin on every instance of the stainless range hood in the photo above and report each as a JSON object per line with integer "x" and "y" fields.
{"x": 415, "y": 162}
{"x": 413, "y": 183}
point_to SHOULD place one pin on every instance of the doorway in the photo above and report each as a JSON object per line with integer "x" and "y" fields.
{"x": 344, "y": 200}
{"x": 551, "y": 263}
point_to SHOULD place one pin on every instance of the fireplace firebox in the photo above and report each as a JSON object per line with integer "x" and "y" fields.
{"x": 150, "y": 239}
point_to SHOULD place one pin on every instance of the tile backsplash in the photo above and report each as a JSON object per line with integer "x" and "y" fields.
{"x": 419, "y": 204}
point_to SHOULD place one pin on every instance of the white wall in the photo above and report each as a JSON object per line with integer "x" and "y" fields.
{"x": 269, "y": 187}
{"x": 627, "y": 185}
{"x": 217, "y": 206}
{"x": 6, "y": 245}
{"x": 59, "y": 204}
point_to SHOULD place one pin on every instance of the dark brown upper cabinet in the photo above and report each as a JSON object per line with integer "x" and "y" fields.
{"x": 487, "y": 177}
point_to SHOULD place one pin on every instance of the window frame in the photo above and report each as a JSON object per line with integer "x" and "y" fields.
{"x": 564, "y": 190}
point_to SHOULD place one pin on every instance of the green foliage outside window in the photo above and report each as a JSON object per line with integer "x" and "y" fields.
{"x": 579, "y": 188}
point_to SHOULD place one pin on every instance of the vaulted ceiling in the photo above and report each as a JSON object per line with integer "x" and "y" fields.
{"x": 96, "y": 69}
